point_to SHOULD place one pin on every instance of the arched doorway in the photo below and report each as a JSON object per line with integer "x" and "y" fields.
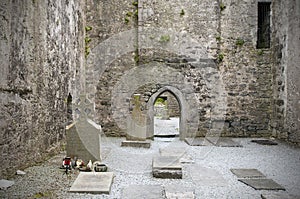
{"x": 182, "y": 105}
{"x": 166, "y": 116}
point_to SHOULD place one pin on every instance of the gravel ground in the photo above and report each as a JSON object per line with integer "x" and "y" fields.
{"x": 133, "y": 166}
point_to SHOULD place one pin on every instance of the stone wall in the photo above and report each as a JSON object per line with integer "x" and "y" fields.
{"x": 286, "y": 42}
{"x": 210, "y": 44}
{"x": 41, "y": 55}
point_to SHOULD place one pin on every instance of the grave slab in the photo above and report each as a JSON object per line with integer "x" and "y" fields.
{"x": 203, "y": 176}
{"x": 179, "y": 152}
{"x": 223, "y": 142}
{"x": 247, "y": 173}
{"x": 198, "y": 141}
{"x": 4, "y": 184}
{"x": 264, "y": 142}
{"x": 93, "y": 182}
{"x": 143, "y": 191}
{"x": 138, "y": 144}
{"x": 179, "y": 192}
{"x": 166, "y": 167}
{"x": 262, "y": 184}
{"x": 166, "y": 162}
{"x": 278, "y": 196}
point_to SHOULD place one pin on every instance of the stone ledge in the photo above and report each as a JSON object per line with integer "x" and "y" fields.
{"x": 167, "y": 173}
{"x": 139, "y": 144}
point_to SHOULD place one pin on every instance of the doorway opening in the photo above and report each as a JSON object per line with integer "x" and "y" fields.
{"x": 166, "y": 116}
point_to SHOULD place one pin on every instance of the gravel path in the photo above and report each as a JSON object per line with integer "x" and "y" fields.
{"x": 133, "y": 166}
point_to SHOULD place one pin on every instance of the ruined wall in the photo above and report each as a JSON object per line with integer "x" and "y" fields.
{"x": 247, "y": 71}
{"x": 286, "y": 42}
{"x": 41, "y": 48}
{"x": 202, "y": 41}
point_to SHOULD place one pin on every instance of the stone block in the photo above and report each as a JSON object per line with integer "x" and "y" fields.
{"x": 179, "y": 191}
{"x": 262, "y": 184}
{"x": 166, "y": 167}
{"x": 139, "y": 144}
{"x": 247, "y": 173}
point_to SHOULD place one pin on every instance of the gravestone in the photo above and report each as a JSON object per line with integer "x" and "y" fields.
{"x": 93, "y": 182}
{"x": 83, "y": 136}
{"x": 136, "y": 126}
{"x": 167, "y": 167}
{"x": 203, "y": 176}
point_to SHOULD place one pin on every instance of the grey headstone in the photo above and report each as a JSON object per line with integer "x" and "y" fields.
{"x": 262, "y": 184}
{"x": 143, "y": 192}
{"x": 247, "y": 173}
{"x": 203, "y": 176}
{"x": 136, "y": 124}
{"x": 93, "y": 182}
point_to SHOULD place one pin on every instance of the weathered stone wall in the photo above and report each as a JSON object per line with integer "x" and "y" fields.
{"x": 286, "y": 56}
{"x": 41, "y": 54}
{"x": 247, "y": 71}
{"x": 223, "y": 47}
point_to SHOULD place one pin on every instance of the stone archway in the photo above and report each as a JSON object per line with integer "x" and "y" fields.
{"x": 183, "y": 113}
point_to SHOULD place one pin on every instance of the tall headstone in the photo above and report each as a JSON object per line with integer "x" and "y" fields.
{"x": 136, "y": 126}
{"x": 83, "y": 136}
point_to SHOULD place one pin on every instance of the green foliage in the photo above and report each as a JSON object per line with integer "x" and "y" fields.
{"x": 220, "y": 57}
{"x": 164, "y": 38}
{"x": 87, "y": 40}
{"x": 126, "y": 19}
{"x": 135, "y": 3}
{"x": 136, "y": 13}
{"x": 260, "y": 52}
{"x": 87, "y": 51}
{"x": 239, "y": 42}
{"x": 182, "y": 12}
{"x": 159, "y": 100}
{"x": 88, "y": 28}
{"x": 218, "y": 38}
{"x": 42, "y": 195}
{"x": 222, "y": 6}
{"x": 129, "y": 14}
{"x": 136, "y": 57}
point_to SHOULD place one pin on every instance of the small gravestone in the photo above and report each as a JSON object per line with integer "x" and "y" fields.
{"x": 166, "y": 167}
{"x": 247, "y": 173}
{"x": 136, "y": 127}
{"x": 143, "y": 191}
{"x": 93, "y": 182}
{"x": 262, "y": 184}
